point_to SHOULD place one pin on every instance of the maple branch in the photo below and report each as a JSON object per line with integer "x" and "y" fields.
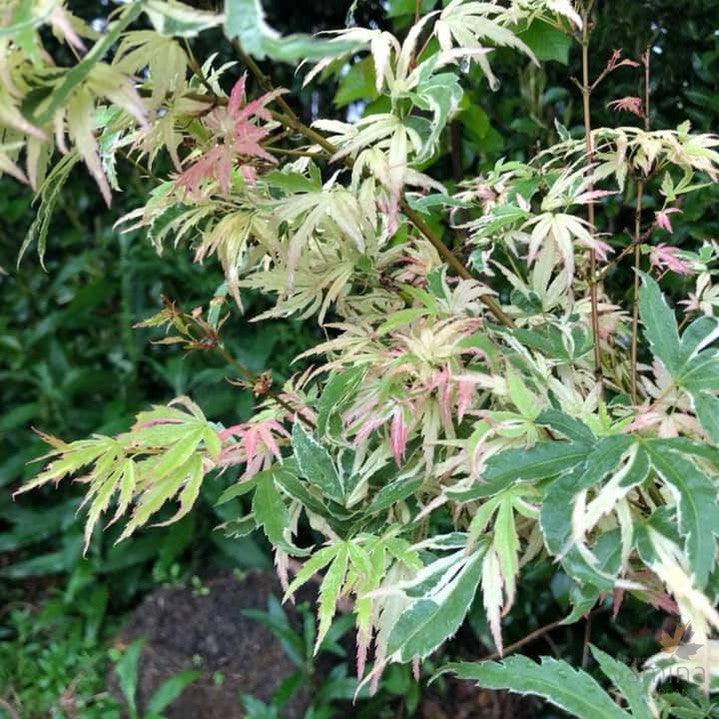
{"x": 586, "y": 89}
{"x": 637, "y": 250}
{"x": 527, "y": 638}
{"x": 214, "y": 344}
{"x": 635, "y": 303}
{"x": 290, "y": 119}
{"x": 253, "y": 379}
{"x": 196, "y": 69}
{"x": 627, "y": 250}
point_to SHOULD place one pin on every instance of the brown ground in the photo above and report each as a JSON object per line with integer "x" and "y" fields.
{"x": 181, "y": 625}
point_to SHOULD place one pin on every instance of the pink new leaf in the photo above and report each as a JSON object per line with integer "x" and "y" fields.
{"x": 665, "y": 257}
{"x": 236, "y": 135}
{"x": 630, "y": 103}
{"x": 662, "y": 218}
{"x": 398, "y": 435}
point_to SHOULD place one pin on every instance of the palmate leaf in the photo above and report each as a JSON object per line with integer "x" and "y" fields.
{"x": 698, "y": 512}
{"x": 572, "y": 690}
{"x": 543, "y": 460}
{"x": 434, "y": 617}
{"x": 634, "y": 688}
{"x": 558, "y": 518}
{"x": 80, "y": 72}
{"x": 315, "y": 464}
{"x": 245, "y": 20}
{"x": 165, "y": 456}
{"x": 694, "y": 369}
{"x": 441, "y": 95}
{"x": 270, "y": 512}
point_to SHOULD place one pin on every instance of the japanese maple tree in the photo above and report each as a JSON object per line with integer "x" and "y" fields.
{"x": 485, "y": 394}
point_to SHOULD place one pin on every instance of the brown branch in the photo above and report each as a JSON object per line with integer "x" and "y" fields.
{"x": 251, "y": 378}
{"x": 635, "y": 302}
{"x": 586, "y": 89}
{"x": 536, "y": 634}
{"x": 637, "y": 250}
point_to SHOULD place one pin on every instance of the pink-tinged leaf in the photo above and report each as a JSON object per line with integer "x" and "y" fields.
{"x": 587, "y": 197}
{"x": 61, "y": 23}
{"x": 631, "y": 103}
{"x": 665, "y": 257}
{"x": 662, "y": 218}
{"x": 615, "y": 61}
{"x": 236, "y": 94}
{"x": 363, "y": 641}
{"x": 398, "y": 435}
{"x": 617, "y": 599}
{"x": 257, "y": 446}
{"x": 282, "y": 560}
{"x": 236, "y": 136}
{"x": 465, "y": 394}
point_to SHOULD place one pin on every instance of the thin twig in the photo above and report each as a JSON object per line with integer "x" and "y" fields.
{"x": 589, "y": 144}
{"x": 587, "y": 637}
{"x": 637, "y": 248}
{"x": 635, "y": 302}
{"x": 196, "y": 69}
{"x": 626, "y": 251}
{"x": 251, "y": 378}
{"x": 541, "y": 631}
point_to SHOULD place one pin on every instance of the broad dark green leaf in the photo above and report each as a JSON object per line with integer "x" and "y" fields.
{"x": 660, "y": 325}
{"x": 570, "y": 689}
{"x": 706, "y": 407}
{"x": 547, "y": 42}
{"x": 701, "y": 331}
{"x": 427, "y": 622}
{"x": 315, "y": 464}
{"x": 633, "y": 687}
{"x": 270, "y": 511}
{"x": 392, "y": 493}
{"x": 697, "y": 507}
{"x": 340, "y": 386}
{"x": 543, "y": 460}
{"x": 357, "y": 84}
{"x": 569, "y": 427}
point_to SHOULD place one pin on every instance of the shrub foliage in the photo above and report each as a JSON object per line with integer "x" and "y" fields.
{"x": 489, "y": 389}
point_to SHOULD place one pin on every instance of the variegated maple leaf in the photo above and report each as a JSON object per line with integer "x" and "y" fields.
{"x": 235, "y": 135}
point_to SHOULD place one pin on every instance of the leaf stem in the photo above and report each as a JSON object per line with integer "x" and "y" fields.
{"x": 539, "y": 632}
